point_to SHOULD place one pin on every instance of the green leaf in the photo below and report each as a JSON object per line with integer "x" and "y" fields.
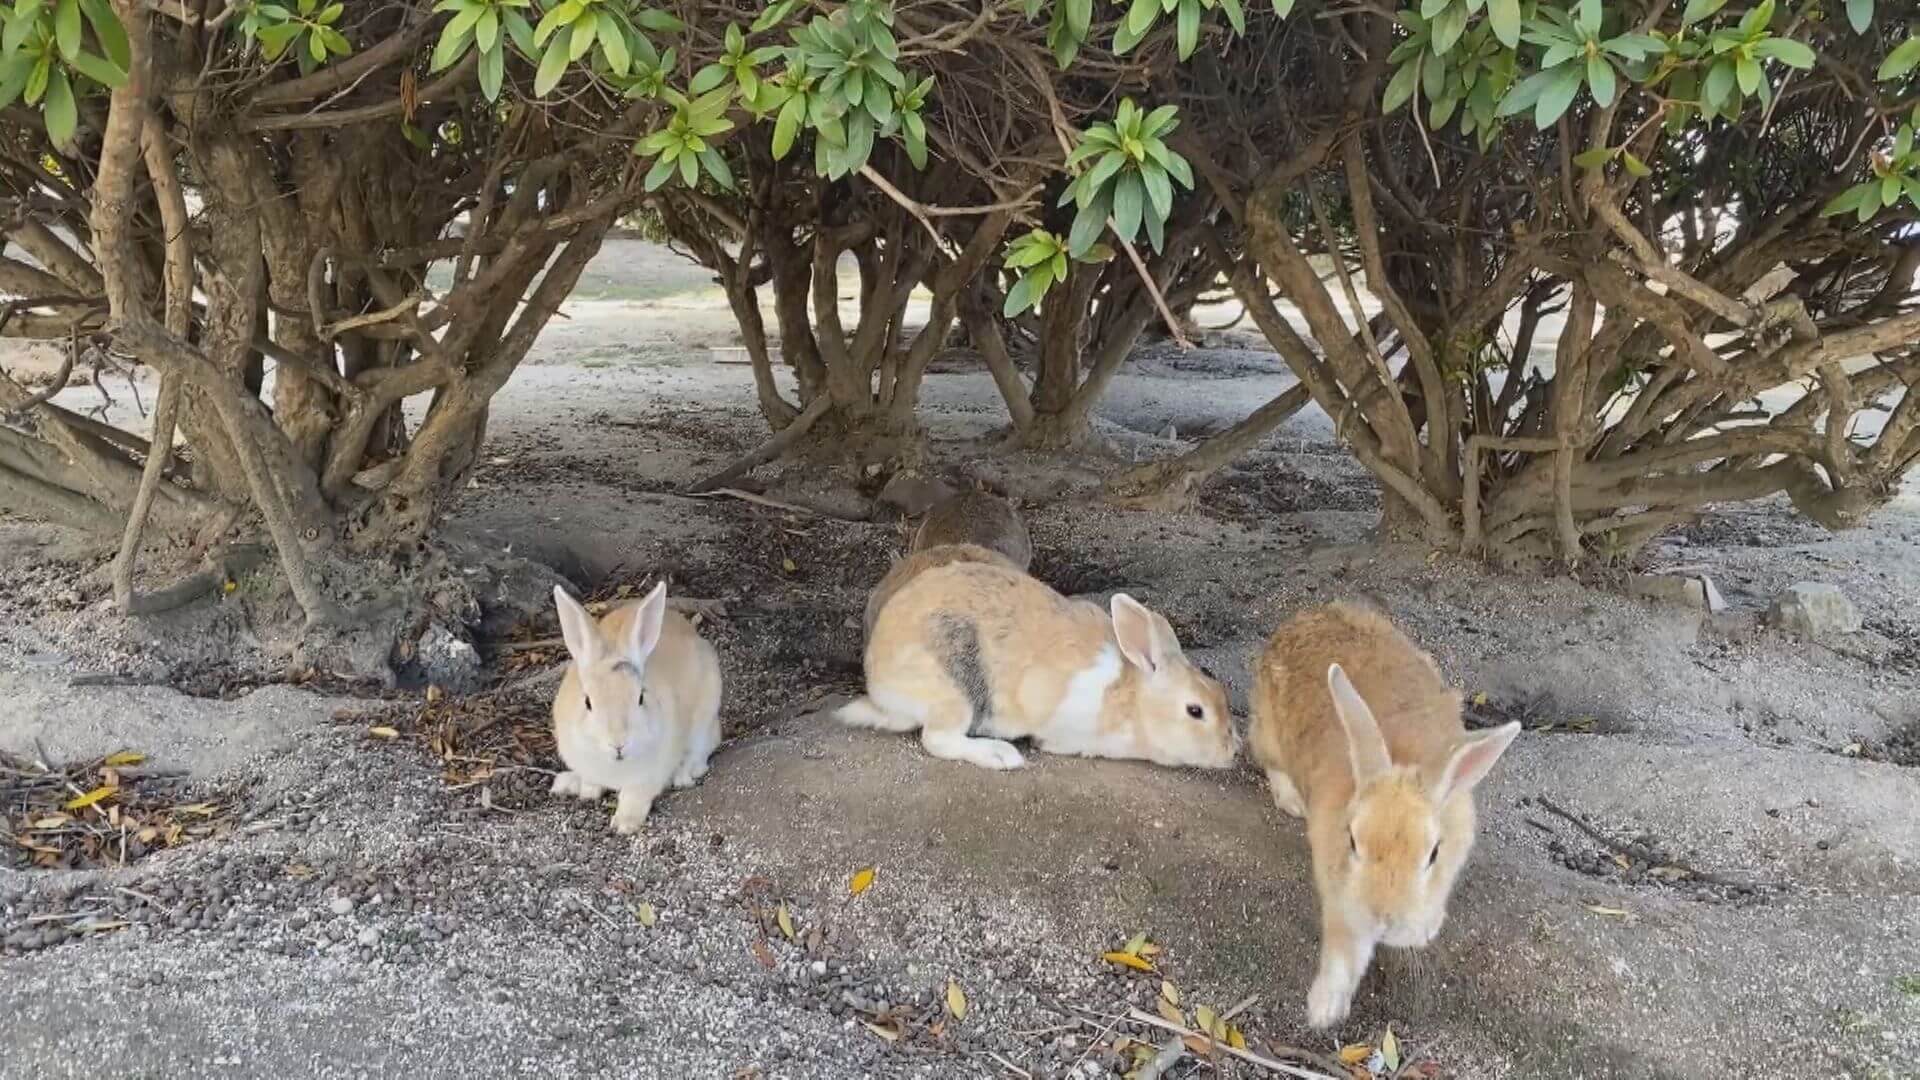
{"x": 1601, "y": 81}
{"x": 1504, "y": 15}
{"x": 62, "y": 115}
{"x": 1589, "y": 18}
{"x": 107, "y": 28}
{"x": 66, "y": 31}
{"x": 553, "y": 65}
{"x": 1019, "y": 298}
{"x": 788, "y": 125}
{"x": 464, "y": 23}
{"x": 1594, "y": 158}
{"x": 1448, "y": 27}
{"x": 1431, "y": 8}
{"x": 716, "y": 167}
{"x": 1634, "y": 165}
{"x": 1748, "y": 71}
{"x": 451, "y": 46}
{"x": 1700, "y": 9}
{"x": 36, "y": 87}
{"x": 1141, "y": 16}
{"x": 1719, "y": 85}
{"x": 662, "y": 169}
{"x": 521, "y": 31}
{"x": 493, "y": 71}
{"x": 689, "y": 170}
{"x": 559, "y": 16}
{"x": 613, "y": 45}
{"x": 707, "y": 78}
{"x": 1129, "y": 202}
{"x": 1236, "y": 17}
{"x": 1557, "y": 95}
{"x": 1848, "y": 201}
{"x": 100, "y": 70}
{"x": 1901, "y": 61}
{"x": 1159, "y": 190}
{"x": 1442, "y": 111}
{"x": 1088, "y": 224}
{"x": 1786, "y": 50}
{"x": 1187, "y": 27}
{"x": 661, "y": 22}
{"x": 1400, "y": 88}
{"x": 581, "y": 37}
{"x": 1860, "y": 14}
{"x": 1283, "y": 8}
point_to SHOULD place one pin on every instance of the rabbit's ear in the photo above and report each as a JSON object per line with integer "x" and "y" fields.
{"x": 1366, "y": 750}
{"x": 577, "y": 627}
{"x": 647, "y": 622}
{"x": 1145, "y": 639}
{"x": 1475, "y": 757}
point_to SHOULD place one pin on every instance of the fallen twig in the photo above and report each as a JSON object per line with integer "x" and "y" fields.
{"x": 1651, "y": 858}
{"x": 757, "y": 500}
{"x": 1139, "y": 1016}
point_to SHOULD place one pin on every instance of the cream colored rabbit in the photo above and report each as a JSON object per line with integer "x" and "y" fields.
{"x": 1358, "y": 733}
{"x": 972, "y": 654}
{"x": 639, "y": 707}
{"x": 920, "y": 561}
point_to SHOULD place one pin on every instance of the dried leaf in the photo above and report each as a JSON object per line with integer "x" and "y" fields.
{"x": 1480, "y": 698}
{"x": 762, "y": 953}
{"x": 646, "y": 915}
{"x": 1622, "y": 862}
{"x": 91, "y": 797}
{"x": 888, "y": 1032}
{"x": 862, "y": 881}
{"x": 125, "y": 757}
{"x": 1170, "y": 993}
{"x": 383, "y": 732}
{"x": 1235, "y": 1039}
{"x": 1355, "y": 1053}
{"x": 785, "y": 920}
{"x": 53, "y": 822}
{"x": 204, "y": 809}
{"x": 1127, "y": 960}
{"x": 1199, "y": 1046}
{"x": 1150, "y": 949}
{"x": 1390, "y": 1050}
{"x": 1611, "y": 912}
{"x": 1204, "y": 1018}
{"x": 1171, "y": 1013}
{"x": 956, "y": 1000}
{"x": 434, "y": 694}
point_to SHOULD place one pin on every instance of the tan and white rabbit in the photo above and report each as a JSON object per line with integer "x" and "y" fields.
{"x": 639, "y": 707}
{"x": 1359, "y": 733}
{"x": 973, "y": 654}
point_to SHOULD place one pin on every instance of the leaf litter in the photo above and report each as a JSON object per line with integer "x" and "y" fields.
{"x": 101, "y": 812}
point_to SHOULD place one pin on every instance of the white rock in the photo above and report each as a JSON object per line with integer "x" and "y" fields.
{"x": 1814, "y": 610}
{"x": 340, "y": 905}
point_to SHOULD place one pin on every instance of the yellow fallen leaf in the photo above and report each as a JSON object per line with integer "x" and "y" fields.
{"x": 1171, "y": 1013}
{"x": 1480, "y": 698}
{"x": 862, "y": 881}
{"x": 383, "y": 732}
{"x": 125, "y": 757}
{"x": 889, "y": 1033}
{"x": 785, "y": 921}
{"x": 1390, "y": 1050}
{"x": 147, "y": 835}
{"x": 434, "y": 694}
{"x": 91, "y": 797}
{"x": 1204, "y": 1018}
{"x": 1170, "y": 992}
{"x": 1355, "y": 1053}
{"x": 646, "y": 915}
{"x": 956, "y": 1000}
{"x": 1612, "y": 912}
{"x": 228, "y": 586}
{"x": 789, "y": 566}
{"x": 1235, "y": 1039}
{"x": 1127, "y": 960}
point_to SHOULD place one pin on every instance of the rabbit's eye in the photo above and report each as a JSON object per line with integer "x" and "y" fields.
{"x": 1434, "y": 855}
{"x": 587, "y": 701}
{"x": 1196, "y": 711}
{"x": 643, "y": 696}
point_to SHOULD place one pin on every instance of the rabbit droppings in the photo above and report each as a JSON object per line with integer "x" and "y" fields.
{"x": 639, "y": 706}
{"x": 974, "y": 653}
{"x": 1359, "y": 733}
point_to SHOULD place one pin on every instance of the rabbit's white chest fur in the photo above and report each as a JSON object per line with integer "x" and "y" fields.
{"x": 1075, "y": 726}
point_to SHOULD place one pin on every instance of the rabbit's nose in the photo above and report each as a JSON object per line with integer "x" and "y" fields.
{"x": 619, "y": 753}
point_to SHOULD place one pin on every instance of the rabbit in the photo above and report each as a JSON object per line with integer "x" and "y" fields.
{"x": 638, "y": 708}
{"x": 921, "y": 560}
{"x": 1358, "y": 733}
{"x": 973, "y": 654}
{"x": 975, "y": 517}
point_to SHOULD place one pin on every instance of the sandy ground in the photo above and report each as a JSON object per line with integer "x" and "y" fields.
{"x": 363, "y": 916}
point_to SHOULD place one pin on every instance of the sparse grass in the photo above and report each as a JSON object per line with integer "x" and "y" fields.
{"x": 1908, "y": 985}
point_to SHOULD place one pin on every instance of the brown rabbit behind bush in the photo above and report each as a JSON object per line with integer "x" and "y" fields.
{"x": 972, "y": 526}
{"x": 1359, "y": 733}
